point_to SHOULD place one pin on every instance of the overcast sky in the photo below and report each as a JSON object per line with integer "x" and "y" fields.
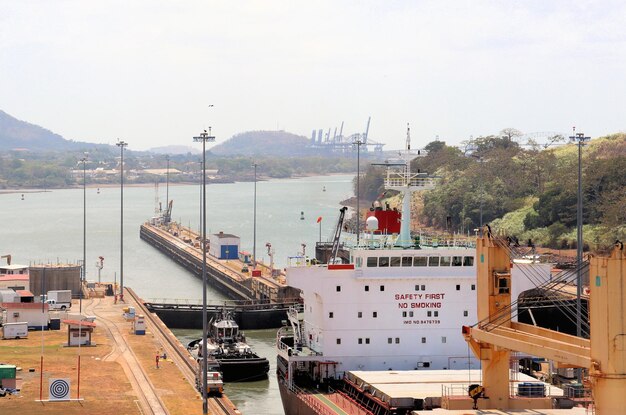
{"x": 147, "y": 71}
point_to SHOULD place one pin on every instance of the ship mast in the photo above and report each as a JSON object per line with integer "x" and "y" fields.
{"x": 400, "y": 178}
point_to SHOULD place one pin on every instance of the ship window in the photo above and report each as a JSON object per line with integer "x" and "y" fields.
{"x": 445, "y": 261}
{"x": 457, "y": 261}
{"x": 360, "y": 340}
{"x": 423, "y": 339}
{"x": 417, "y": 287}
{"x": 410, "y": 314}
{"x": 331, "y": 314}
{"x": 382, "y": 288}
{"x": 419, "y": 261}
{"x": 436, "y": 313}
{"x": 359, "y": 262}
{"x": 406, "y": 261}
{"x": 372, "y": 261}
{"x": 375, "y": 314}
{"x": 360, "y": 314}
{"x": 383, "y": 261}
{"x": 458, "y": 287}
{"x": 397, "y": 340}
{"x": 443, "y": 339}
{"x": 395, "y": 261}
{"x": 367, "y": 288}
{"x": 389, "y": 340}
{"x": 404, "y": 314}
{"x": 338, "y": 288}
{"x": 429, "y": 314}
{"x": 473, "y": 287}
{"x": 425, "y": 364}
{"x": 338, "y": 341}
{"x": 502, "y": 283}
{"x": 465, "y": 313}
{"x": 433, "y": 261}
{"x": 423, "y": 287}
{"x": 468, "y": 261}
{"x": 367, "y": 340}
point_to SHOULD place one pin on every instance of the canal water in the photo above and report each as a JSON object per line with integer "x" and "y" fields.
{"x": 47, "y": 227}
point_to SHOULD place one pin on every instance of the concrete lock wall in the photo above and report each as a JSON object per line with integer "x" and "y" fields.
{"x": 57, "y": 277}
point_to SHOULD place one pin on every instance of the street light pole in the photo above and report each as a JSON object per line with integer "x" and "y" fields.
{"x": 84, "y": 268}
{"x": 204, "y": 137}
{"x": 358, "y": 144}
{"x": 167, "y": 183}
{"x": 254, "y": 233}
{"x": 580, "y": 139}
{"x": 121, "y": 145}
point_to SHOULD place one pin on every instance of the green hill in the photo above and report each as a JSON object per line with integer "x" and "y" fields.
{"x": 263, "y": 143}
{"x": 16, "y": 134}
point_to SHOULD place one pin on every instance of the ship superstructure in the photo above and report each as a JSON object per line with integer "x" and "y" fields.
{"x": 399, "y": 303}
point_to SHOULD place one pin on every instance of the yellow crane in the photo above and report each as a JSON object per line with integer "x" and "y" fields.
{"x": 493, "y": 339}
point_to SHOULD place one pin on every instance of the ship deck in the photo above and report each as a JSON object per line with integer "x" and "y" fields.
{"x": 401, "y": 388}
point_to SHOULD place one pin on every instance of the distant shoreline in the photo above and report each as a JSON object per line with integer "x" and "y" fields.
{"x": 146, "y": 184}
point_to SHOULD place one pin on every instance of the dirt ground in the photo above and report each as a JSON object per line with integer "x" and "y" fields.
{"x": 105, "y": 388}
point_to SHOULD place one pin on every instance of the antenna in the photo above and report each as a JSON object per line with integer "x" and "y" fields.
{"x": 408, "y": 137}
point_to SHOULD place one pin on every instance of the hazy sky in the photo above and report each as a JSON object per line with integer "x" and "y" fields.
{"x": 147, "y": 71}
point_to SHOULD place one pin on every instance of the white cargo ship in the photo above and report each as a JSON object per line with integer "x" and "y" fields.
{"x": 397, "y": 304}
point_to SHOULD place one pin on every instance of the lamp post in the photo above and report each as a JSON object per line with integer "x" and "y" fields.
{"x": 580, "y": 139}
{"x": 121, "y": 145}
{"x": 84, "y": 267}
{"x": 358, "y": 144}
{"x": 167, "y": 184}
{"x": 204, "y": 137}
{"x": 254, "y": 232}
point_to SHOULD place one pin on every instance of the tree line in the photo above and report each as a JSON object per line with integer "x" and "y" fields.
{"x": 529, "y": 191}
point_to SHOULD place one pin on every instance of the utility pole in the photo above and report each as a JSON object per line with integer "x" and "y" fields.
{"x": 121, "y": 145}
{"x": 204, "y": 137}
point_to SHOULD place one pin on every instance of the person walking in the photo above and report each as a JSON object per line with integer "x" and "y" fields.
{"x": 157, "y": 359}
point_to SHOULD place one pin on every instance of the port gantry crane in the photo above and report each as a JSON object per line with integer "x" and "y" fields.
{"x": 495, "y": 336}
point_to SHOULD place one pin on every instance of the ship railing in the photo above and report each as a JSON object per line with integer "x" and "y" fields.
{"x": 516, "y": 388}
{"x": 346, "y": 401}
{"x": 311, "y": 401}
{"x": 417, "y": 241}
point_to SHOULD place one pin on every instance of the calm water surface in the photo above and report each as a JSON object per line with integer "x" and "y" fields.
{"x": 48, "y": 227}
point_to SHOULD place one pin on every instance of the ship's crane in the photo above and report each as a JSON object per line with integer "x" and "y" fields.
{"x": 496, "y": 335}
{"x": 335, "y": 248}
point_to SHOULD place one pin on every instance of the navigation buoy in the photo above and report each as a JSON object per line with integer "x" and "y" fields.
{"x": 301, "y": 215}
{"x": 98, "y": 190}
{"x": 324, "y": 189}
{"x": 23, "y": 199}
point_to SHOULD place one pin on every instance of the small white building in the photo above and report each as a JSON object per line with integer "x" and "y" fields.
{"x": 224, "y": 246}
{"x": 9, "y": 296}
{"x": 35, "y": 314}
{"x": 79, "y": 332}
{"x": 14, "y": 277}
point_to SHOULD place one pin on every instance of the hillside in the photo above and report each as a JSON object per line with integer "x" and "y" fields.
{"x": 263, "y": 143}
{"x": 17, "y": 134}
